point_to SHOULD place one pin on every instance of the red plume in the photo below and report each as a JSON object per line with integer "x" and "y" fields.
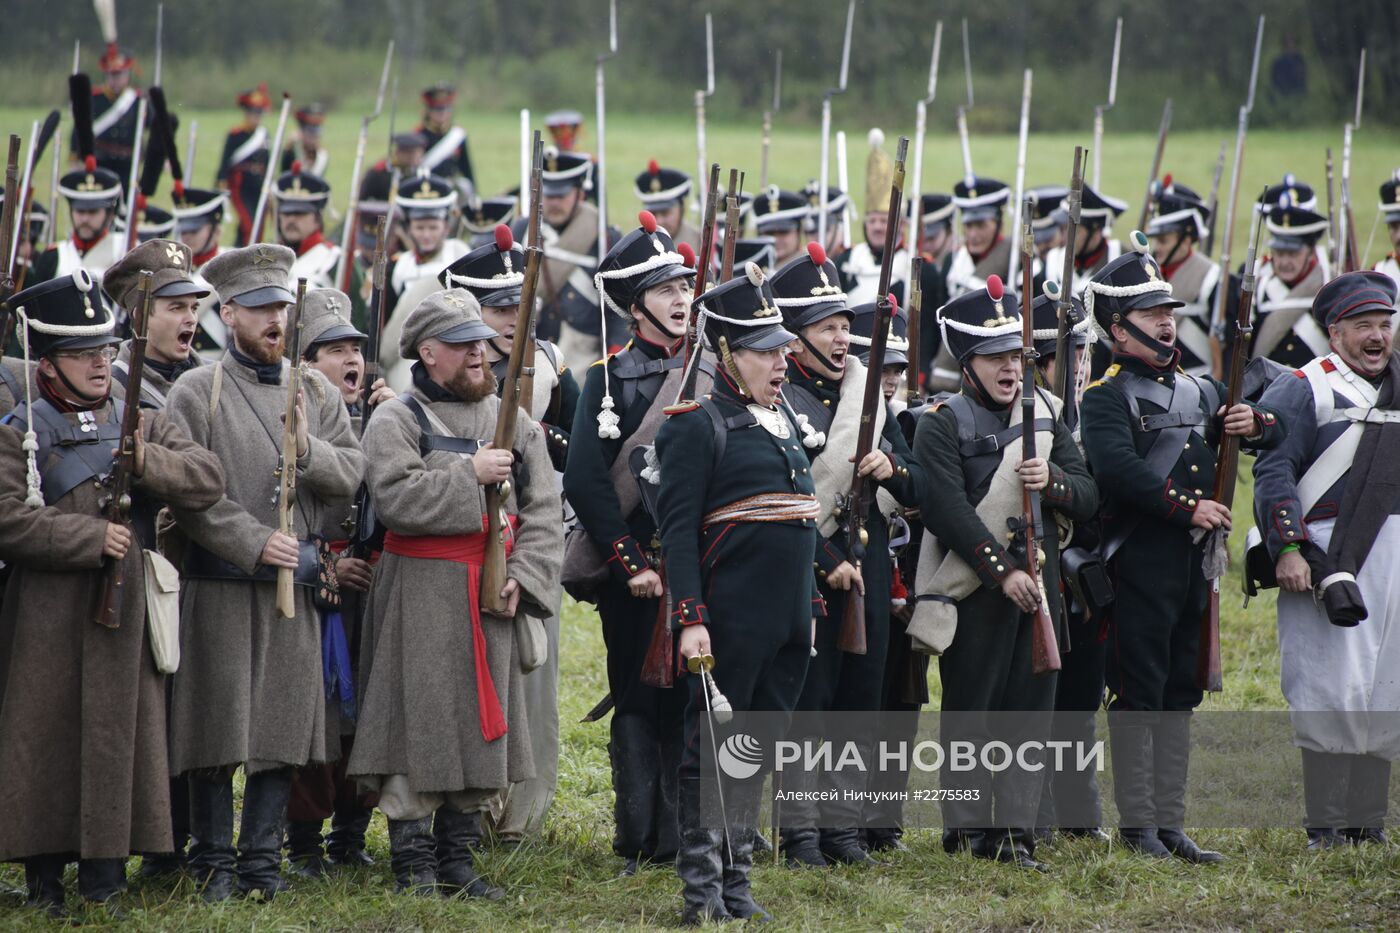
{"x": 90, "y": 163}
{"x": 504, "y": 241}
{"x": 894, "y": 303}
{"x": 140, "y": 202}
{"x": 653, "y": 168}
{"x": 648, "y": 221}
{"x": 179, "y": 190}
{"x": 687, "y": 254}
{"x": 296, "y": 167}
{"x": 994, "y": 287}
{"x": 817, "y": 253}
{"x": 1167, "y": 180}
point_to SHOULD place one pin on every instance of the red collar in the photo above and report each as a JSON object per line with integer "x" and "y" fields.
{"x": 49, "y": 391}
{"x": 670, "y": 350}
{"x": 310, "y": 243}
{"x": 201, "y": 258}
{"x": 85, "y": 246}
{"x": 1307, "y": 270}
{"x": 1170, "y": 270}
{"x": 978, "y": 257}
{"x": 1088, "y": 262}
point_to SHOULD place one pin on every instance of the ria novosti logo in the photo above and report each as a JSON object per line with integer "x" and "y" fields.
{"x": 741, "y": 756}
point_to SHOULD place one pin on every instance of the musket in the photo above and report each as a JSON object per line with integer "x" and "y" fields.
{"x": 702, "y": 274}
{"x": 38, "y": 143}
{"x": 270, "y": 175}
{"x": 731, "y": 225}
{"x": 532, "y": 238}
{"x": 963, "y": 138}
{"x": 1214, "y": 201}
{"x": 1162, "y": 130}
{"x": 1021, "y": 170}
{"x": 1217, "y": 328}
{"x": 1208, "y": 671}
{"x": 287, "y": 462}
{"x": 523, "y": 202}
{"x": 852, "y": 637}
{"x": 1332, "y": 232}
{"x": 116, "y": 506}
{"x": 1030, "y": 525}
{"x": 843, "y": 181}
{"x": 822, "y": 182}
{"x": 916, "y": 210}
{"x": 768, "y": 121}
{"x": 493, "y": 566}
{"x": 601, "y": 174}
{"x": 1066, "y": 359}
{"x": 7, "y": 230}
{"x": 1350, "y": 260}
{"x": 54, "y": 171}
{"x": 160, "y": 33}
{"x": 1101, "y": 109}
{"x": 345, "y": 270}
{"x": 191, "y": 144}
{"x": 360, "y": 525}
{"x": 133, "y": 188}
{"x": 916, "y": 307}
{"x": 700, "y": 96}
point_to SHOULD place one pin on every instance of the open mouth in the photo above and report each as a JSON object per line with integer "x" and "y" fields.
{"x": 351, "y": 379}
{"x": 1374, "y": 355}
{"x": 678, "y": 317}
{"x": 185, "y": 339}
{"x": 838, "y": 358}
{"x": 1007, "y": 383}
{"x": 273, "y": 336}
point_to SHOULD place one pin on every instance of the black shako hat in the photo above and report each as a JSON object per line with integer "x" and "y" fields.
{"x": 494, "y": 273}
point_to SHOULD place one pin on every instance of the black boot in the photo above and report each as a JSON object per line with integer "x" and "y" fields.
{"x": 212, "y": 861}
{"x": 1367, "y": 800}
{"x": 43, "y": 878}
{"x": 1171, "y": 758}
{"x": 738, "y": 892}
{"x": 802, "y": 848}
{"x": 1324, "y": 798}
{"x": 100, "y": 880}
{"x": 1012, "y": 847}
{"x": 1130, "y": 747}
{"x": 169, "y": 864}
{"x": 411, "y": 856}
{"x": 265, "y": 797}
{"x": 885, "y": 839}
{"x": 456, "y": 834}
{"x": 636, "y": 774}
{"x": 699, "y": 863}
{"x": 305, "y": 856}
{"x": 842, "y": 847}
{"x": 345, "y": 844}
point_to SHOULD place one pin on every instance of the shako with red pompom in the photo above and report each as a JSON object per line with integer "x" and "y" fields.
{"x": 982, "y": 322}
{"x": 91, "y": 185}
{"x": 660, "y": 188}
{"x": 808, "y": 289}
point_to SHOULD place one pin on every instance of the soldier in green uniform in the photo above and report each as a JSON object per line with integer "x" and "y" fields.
{"x": 982, "y": 596}
{"x": 1150, "y": 433}
{"x": 614, "y": 556}
{"x": 825, "y": 385}
{"x": 738, "y": 515}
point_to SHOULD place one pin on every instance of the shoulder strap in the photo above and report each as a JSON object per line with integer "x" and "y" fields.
{"x": 722, "y": 425}
{"x": 434, "y": 435}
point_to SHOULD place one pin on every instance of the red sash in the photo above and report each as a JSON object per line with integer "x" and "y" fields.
{"x": 470, "y": 550}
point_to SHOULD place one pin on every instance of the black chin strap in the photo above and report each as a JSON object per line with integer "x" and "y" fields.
{"x": 1172, "y": 254}
{"x": 971, "y": 377}
{"x": 1079, "y": 257}
{"x": 86, "y": 399}
{"x": 491, "y": 342}
{"x": 1162, "y": 351}
{"x": 818, "y": 355}
{"x": 642, "y": 307}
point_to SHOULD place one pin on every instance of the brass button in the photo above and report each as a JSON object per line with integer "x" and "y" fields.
{"x": 1288, "y": 521}
{"x": 1283, "y": 511}
{"x": 1190, "y": 501}
{"x": 1195, "y": 469}
{"x": 1000, "y": 568}
{"x": 826, "y": 402}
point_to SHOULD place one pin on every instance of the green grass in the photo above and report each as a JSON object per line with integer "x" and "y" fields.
{"x": 566, "y": 878}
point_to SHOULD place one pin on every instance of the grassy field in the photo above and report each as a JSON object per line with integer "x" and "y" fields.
{"x": 567, "y": 877}
{"x": 795, "y": 157}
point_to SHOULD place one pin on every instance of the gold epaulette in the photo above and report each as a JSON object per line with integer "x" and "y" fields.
{"x": 1107, "y": 374}
{"x": 680, "y": 408}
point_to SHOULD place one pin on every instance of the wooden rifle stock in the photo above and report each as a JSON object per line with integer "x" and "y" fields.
{"x": 913, "y": 384}
{"x": 1209, "y": 676}
{"x": 852, "y": 637}
{"x": 1162, "y": 130}
{"x": 702, "y": 275}
{"x": 7, "y": 231}
{"x": 532, "y": 238}
{"x": 118, "y": 497}
{"x": 1045, "y": 649}
{"x": 1066, "y": 358}
{"x": 493, "y": 565}
{"x": 731, "y": 227}
{"x": 287, "y": 463}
